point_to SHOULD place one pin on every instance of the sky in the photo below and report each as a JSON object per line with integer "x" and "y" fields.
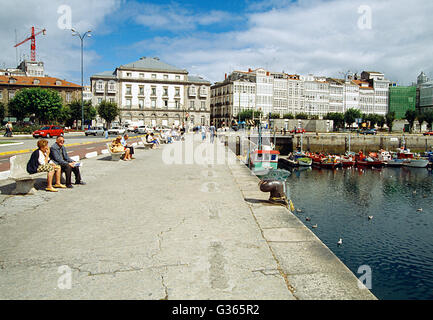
{"x": 211, "y": 38}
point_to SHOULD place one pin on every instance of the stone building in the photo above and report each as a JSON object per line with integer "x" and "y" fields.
{"x": 10, "y": 85}
{"x": 154, "y": 93}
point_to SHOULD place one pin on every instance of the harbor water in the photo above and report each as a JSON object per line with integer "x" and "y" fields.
{"x": 384, "y": 218}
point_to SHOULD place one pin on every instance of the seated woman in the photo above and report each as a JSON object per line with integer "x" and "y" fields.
{"x": 116, "y": 146}
{"x": 152, "y": 139}
{"x": 40, "y": 162}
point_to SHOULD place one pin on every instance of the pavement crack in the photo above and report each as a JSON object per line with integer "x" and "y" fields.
{"x": 165, "y": 288}
{"x": 161, "y": 239}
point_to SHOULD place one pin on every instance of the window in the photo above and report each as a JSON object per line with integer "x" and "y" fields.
{"x": 166, "y": 103}
{"x": 153, "y": 91}
{"x": 128, "y": 103}
{"x": 153, "y": 75}
{"x": 177, "y": 92}
{"x": 203, "y": 105}
{"x": 177, "y": 104}
{"x": 129, "y": 74}
{"x": 99, "y": 86}
{"x": 11, "y": 94}
{"x": 99, "y": 100}
{"x": 153, "y": 103}
{"x": 165, "y": 91}
{"x": 141, "y": 90}
{"x": 141, "y": 103}
{"x": 165, "y": 76}
{"x": 141, "y": 75}
{"x": 68, "y": 97}
{"x": 111, "y": 86}
{"x": 111, "y": 100}
{"x": 128, "y": 90}
{"x": 177, "y": 77}
{"x": 191, "y": 105}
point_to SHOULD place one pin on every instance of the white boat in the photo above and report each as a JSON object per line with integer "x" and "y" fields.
{"x": 416, "y": 163}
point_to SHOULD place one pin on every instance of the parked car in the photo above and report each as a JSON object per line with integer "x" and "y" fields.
{"x": 428, "y": 133}
{"x": 368, "y": 131}
{"x": 116, "y": 131}
{"x": 298, "y": 130}
{"x": 143, "y": 129}
{"x": 131, "y": 128}
{"x": 95, "y": 131}
{"x": 48, "y": 132}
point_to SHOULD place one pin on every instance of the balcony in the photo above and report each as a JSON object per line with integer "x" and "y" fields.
{"x": 203, "y": 93}
{"x": 192, "y": 92}
{"x": 99, "y": 89}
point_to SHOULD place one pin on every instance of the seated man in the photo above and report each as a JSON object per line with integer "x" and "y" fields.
{"x": 125, "y": 144}
{"x": 59, "y": 156}
{"x": 152, "y": 139}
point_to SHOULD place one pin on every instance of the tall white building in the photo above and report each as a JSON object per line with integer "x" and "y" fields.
{"x": 380, "y": 85}
{"x": 154, "y": 93}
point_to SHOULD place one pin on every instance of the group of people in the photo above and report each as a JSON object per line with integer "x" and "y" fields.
{"x": 8, "y": 128}
{"x": 54, "y": 161}
{"x": 120, "y": 144}
{"x": 211, "y": 130}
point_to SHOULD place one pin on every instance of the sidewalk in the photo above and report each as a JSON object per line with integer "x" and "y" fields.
{"x": 148, "y": 230}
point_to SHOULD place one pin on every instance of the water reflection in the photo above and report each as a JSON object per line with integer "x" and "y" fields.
{"x": 397, "y": 243}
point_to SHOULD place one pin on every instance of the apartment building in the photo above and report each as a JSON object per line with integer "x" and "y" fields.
{"x": 380, "y": 86}
{"x": 154, "y": 93}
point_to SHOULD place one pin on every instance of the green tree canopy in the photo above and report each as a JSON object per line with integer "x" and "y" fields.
{"x": 108, "y": 111}
{"x": 248, "y": 114}
{"x": 380, "y": 120}
{"x": 45, "y": 104}
{"x": 337, "y": 117}
{"x": 301, "y": 115}
{"x": 2, "y": 111}
{"x": 275, "y": 116}
{"x": 350, "y": 115}
{"x": 421, "y": 118}
{"x": 288, "y": 116}
{"x": 410, "y": 116}
{"x": 389, "y": 119}
{"x": 75, "y": 111}
{"x": 428, "y": 117}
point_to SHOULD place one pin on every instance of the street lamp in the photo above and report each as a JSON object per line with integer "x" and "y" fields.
{"x": 75, "y": 33}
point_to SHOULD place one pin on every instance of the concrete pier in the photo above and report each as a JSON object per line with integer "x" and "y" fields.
{"x": 154, "y": 228}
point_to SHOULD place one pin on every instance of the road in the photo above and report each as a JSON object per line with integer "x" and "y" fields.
{"x": 76, "y": 146}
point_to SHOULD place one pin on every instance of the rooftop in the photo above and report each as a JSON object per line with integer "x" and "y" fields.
{"x": 151, "y": 64}
{"x": 42, "y": 82}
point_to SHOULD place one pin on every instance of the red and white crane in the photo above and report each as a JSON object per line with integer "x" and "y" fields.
{"x": 32, "y": 37}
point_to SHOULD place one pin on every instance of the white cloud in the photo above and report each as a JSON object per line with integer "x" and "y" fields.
{"x": 58, "y": 49}
{"x": 312, "y": 36}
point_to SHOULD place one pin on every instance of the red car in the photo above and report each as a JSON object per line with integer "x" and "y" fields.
{"x": 48, "y": 132}
{"x": 298, "y": 130}
{"x": 429, "y": 133}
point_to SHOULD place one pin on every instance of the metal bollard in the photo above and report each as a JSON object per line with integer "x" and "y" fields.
{"x": 238, "y": 146}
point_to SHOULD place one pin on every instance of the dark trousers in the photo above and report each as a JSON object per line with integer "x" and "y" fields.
{"x": 131, "y": 150}
{"x": 66, "y": 168}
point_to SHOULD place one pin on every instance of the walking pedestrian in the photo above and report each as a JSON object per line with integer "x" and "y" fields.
{"x": 212, "y": 131}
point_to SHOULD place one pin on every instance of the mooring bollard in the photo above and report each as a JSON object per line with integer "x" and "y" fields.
{"x": 238, "y": 146}
{"x": 226, "y": 142}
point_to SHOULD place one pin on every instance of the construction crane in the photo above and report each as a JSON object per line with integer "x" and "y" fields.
{"x": 32, "y": 37}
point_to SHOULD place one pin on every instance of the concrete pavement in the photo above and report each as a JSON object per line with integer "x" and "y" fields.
{"x": 146, "y": 229}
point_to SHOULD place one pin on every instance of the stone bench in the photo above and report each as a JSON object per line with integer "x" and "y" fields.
{"x": 147, "y": 145}
{"x": 115, "y": 156}
{"x": 25, "y": 181}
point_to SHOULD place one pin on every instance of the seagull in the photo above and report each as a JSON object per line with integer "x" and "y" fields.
{"x": 419, "y": 210}
{"x": 414, "y": 192}
{"x": 314, "y": 226}
{"x": 307, "y": 219}
{"x": 370, "y": 217}
{"x": 298, "y": 210}
{"x": 340, "y": 242}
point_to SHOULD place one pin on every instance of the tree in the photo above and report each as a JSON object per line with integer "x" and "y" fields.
{"x": 45, "y": 104}
{"x": 75, "y": 111}
{"x": 2, "y": 111}
{"x": 314, "y": 117}
{"x": 248, "y": 114}
{"x": 288, "y": 116}
{"x": 410, "y": 116}
{"x": 428, "y": 116}
{"x": 274, "y": 116}
{"x": 108, "y": 111}
{"x": 421, "y": 118}
{"x": 389, "y": 119}
{"x": 337, "y": 117}
{"x": 381, "y": 120}
{"x": 350, "y": 115}
{"x": 301, "y": 116}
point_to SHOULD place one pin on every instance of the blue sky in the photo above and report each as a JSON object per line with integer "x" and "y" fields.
{"x": 211, "y": 38}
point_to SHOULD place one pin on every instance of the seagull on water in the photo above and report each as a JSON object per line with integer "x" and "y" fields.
{"x": 314, "y": 226}
{"x": 340, "y": 242}
{"x": 419, "y": 210}
{"x": 370, "y": 217}
{"x": 307, "y": 219}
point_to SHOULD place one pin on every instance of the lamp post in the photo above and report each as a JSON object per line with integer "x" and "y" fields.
{"x": 75, "y": 33}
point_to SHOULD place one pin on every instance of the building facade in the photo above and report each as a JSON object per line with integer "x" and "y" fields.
{"x": 10, "y": 85}
{"x": 401, "y": 99}
{"x": 154, "y": 93}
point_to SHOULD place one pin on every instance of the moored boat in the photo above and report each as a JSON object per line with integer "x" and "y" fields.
{"x": 416, "y": 163}
{"x": 264, "y": 159}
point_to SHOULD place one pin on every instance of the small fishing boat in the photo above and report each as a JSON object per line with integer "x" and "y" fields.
{"x": 263, "y": 160}
{"x": 416, "y": 163}
{"x": 330, "y": 162}
{"x": 395, "y": 162}
{"x": 368, "y": 161}
{"x": 348, "y": 160}
{"x": 404, "y": 153}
